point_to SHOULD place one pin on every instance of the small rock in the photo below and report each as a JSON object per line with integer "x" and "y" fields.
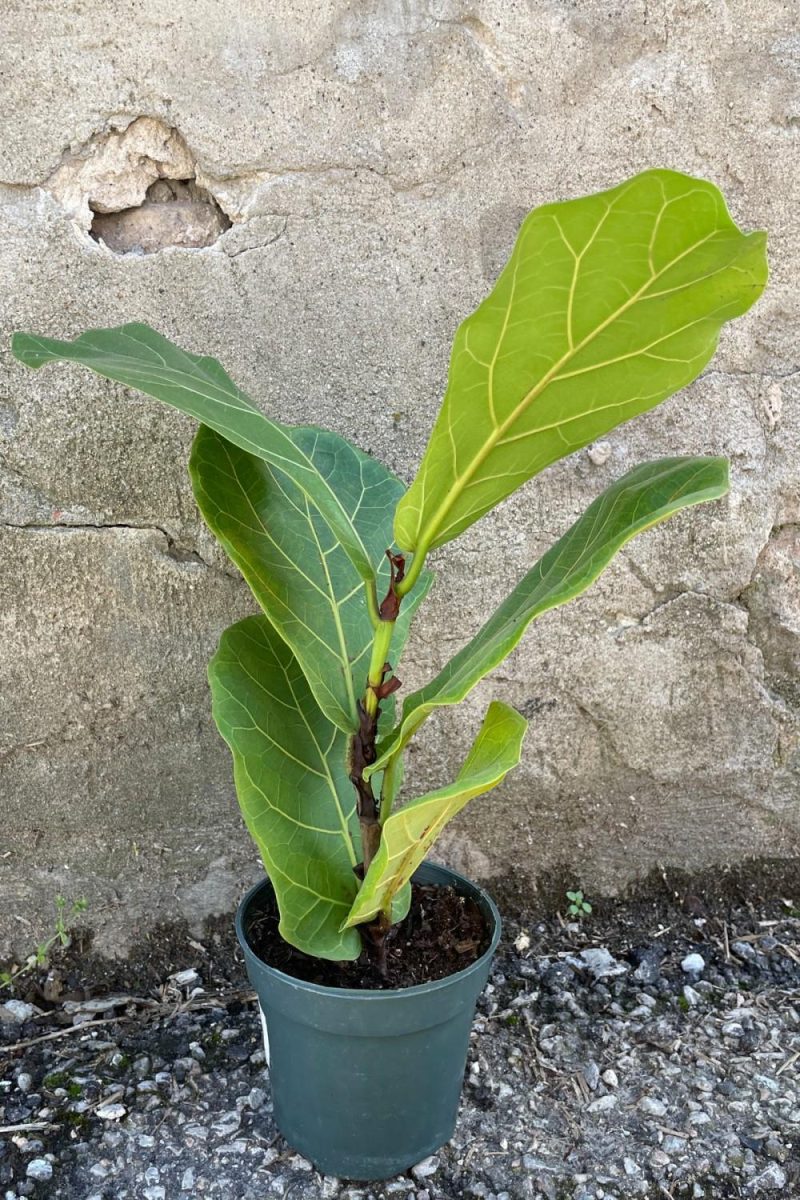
{"x": 558, "y": 976}
{"x": 648, "y": 963}
{"x": 610, "y": 1078}
{"x": 631, "y": 1167}
{"x": 227, "y": 1124}
{"x": 691, "y": 997}
{"x": 90, "y": 1008}
{"x": 771, "y": 1180}
{"x": 256, "y": 1098}
{"x": 154, "y": 1193}
{"x": 186, "y": 978}
{"x": 187, "y": 1180}
{"x": 111, "y": 1112}
{"x": 599, "y": 453}
{"x": 775, "y": 1149}
{"x": 600, "y": 963}
{"x": 591, "y": 1073}
{"x": 652, "y": 1106}
{"x": 674, "y": 1145}
{"x": 39, "y": 1169}
{"x": 24, "y": 1081}
{"x": 745, "y": 950}
{"x": 300, "y": 1164}
{"x": 602, "y": 1104}
{"x": 426, "y": 1168}
{"x": 15, "y": 1012}
{"x": 522, "y": 942}
{"x": 693, "y": 964}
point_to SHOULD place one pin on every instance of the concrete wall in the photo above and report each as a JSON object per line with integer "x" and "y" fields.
{"x": 375, "y": 160}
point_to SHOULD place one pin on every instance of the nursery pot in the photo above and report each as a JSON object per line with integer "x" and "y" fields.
{"x": 366, "y": 1083}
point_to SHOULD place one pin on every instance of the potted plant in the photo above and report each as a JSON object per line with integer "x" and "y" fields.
{"x": 366, "y": 959}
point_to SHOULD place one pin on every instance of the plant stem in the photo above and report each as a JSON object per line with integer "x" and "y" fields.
{"x": 405, "y": 585}
{"x": 388, "y": 788}
{"x": 381, "y": 642}
{"x": 372, "y": 603}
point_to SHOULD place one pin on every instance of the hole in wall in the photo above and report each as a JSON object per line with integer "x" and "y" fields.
{"x": 139, "y": 189}
{"x": 174, "y": 212}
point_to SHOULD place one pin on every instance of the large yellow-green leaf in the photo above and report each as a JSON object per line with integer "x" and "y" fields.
{"x": 644, "y": 496}
{"x": 608, "y": 304}
{"x": 138, "y": 357}
{"x": 289, "y": 768}
{"x": 297, "y": 569}
{"x": 409, "y": 833}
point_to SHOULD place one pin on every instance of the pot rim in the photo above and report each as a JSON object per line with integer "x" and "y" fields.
{"x": 374, "y": 995}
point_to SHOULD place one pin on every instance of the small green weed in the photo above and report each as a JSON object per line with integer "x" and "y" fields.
{"x": 578, "y": 906}
{"x": 65, "y": 913}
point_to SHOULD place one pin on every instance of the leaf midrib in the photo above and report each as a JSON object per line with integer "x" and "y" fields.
{"x": 427, "y": 538}
{"x": 323, "y": 755}
{"x": 327, "y": 593}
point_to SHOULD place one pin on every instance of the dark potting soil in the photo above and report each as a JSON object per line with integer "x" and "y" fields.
{"x": 443, "y": 933}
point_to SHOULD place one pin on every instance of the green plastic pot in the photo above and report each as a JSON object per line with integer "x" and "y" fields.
{"x": 366, "y": 1083}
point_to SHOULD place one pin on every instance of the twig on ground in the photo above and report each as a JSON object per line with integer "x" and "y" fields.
{"x": 789, "y": 1063}
{"x": 59, "y": 1033}
{"x": 27, "y": 1127}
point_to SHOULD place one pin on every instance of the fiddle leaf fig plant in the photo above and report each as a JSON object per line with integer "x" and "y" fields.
{"x": 608, "y": 305}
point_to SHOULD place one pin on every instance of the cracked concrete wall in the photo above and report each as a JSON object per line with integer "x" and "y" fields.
{"x": 375, "y": 160}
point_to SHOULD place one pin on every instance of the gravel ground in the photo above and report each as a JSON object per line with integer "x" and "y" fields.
{"x": 651, "y": 1050}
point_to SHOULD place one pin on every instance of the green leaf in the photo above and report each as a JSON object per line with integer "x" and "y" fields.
{"x": 138, "y": 357}
{"x": 641, "y": 498}
{"x": 298, "y": 572}
{"x": 289, "y": 768}
{"x": 410, "y": 832}
{"x": 608, "y": 305}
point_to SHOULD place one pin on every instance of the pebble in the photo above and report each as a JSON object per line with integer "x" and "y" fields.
{"x": 39, "y": 1169}
{"x": 15, "y": 1012}
{"x": 599, "y": 453}
{"x": 771, "y": 1180}
{"x": 24, "y": 1081}
{"x": 693, "y": 964}
{"x": 602, "y": 1104}
{"x": 185, "y": 979}
{"x": 648, "y": 963}
{"x": 256, "y": 1098}
{"x": 111, "y": 1112}
{"x": 426, "y": 1168}
{"x": 692, "y": 997}
{"x": 142, "y": 1066}
{"x": 187, "y": 1180}
{"x": 652, "y": 1106}
{"x": 599, "y": 962}
{"x": 226, "y": 1124}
